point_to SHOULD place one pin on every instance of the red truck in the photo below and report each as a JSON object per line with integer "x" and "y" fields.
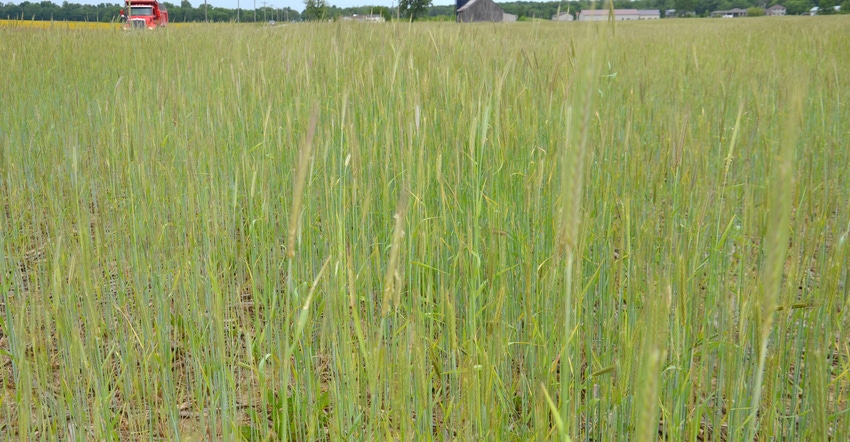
{"x": 144, "y": 14}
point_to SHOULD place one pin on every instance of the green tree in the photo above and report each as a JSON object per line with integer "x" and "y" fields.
{"x": 845, "y": 7}
{"x": 384, "y": 11}
{"x": 826, "y": 7}
{"x": 289, "y": 14}
{"x": 315, "y": 10}
{"x": 413, "y": 9}
{"x": 755, "y": 12}
{"x": 684, "y": 6}
{"x": 798, "y": 7}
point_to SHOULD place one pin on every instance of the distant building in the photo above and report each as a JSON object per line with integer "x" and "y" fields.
{"x": 373, "y": 18}
{"x": 481, "y": 10}
{"x": 649, "y": 14}
{"x": 672, "y": 13}
{"x": 602, "y": 14}
{"x": 737, "y": 12}
{"x": 509, "y": 18}
{"x": 775, "y": 10}
{"x": 619, "y": 14}
{"x": 814, "y": 11}
{"x": 564, "y": 16}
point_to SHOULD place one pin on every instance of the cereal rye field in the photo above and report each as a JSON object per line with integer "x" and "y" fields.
{"x": 533, "y": 231}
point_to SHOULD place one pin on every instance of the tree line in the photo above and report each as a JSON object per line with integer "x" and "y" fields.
{"x": 415, "y": 9}
{"x": 182, "y": 13}
{"x": 700, "y": 8}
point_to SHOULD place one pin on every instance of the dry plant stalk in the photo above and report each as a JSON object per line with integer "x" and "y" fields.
{"x": 300, "y": 180}
{"x": 391, "y": 278}
{"x": 572, "y": 177}
{"x": 776, "y": 241}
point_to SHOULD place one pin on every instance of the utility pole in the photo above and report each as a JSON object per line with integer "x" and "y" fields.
{"x": 237, "y": 11}
{"x": 264, "y": 11}
{"x": 205, "y": 11}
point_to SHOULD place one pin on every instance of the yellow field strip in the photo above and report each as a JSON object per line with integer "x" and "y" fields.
{"x": 40, "y": 24}
{"x": 44, "y": 24}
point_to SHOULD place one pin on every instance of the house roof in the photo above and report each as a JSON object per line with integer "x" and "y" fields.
{"x": 469, "y": 5}
{"x": 730, "y": 12}
{"x": 816, "y": 9}
{"x": 648, "y": 12}
{"x": 606, "y": 12}
{"x": 776, "y": 7}
{"x": 466, "y": 6}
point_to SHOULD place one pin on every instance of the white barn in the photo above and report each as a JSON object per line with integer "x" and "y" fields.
{"x": 649, "y": 14}
{"x": 602, "y": 14}
{"x": 564, "y": 16}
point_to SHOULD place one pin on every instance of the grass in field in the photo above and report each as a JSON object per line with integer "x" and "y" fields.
{"x": 426, "y": 231}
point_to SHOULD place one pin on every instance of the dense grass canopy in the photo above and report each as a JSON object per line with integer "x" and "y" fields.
{"x": 344, "y": 231}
